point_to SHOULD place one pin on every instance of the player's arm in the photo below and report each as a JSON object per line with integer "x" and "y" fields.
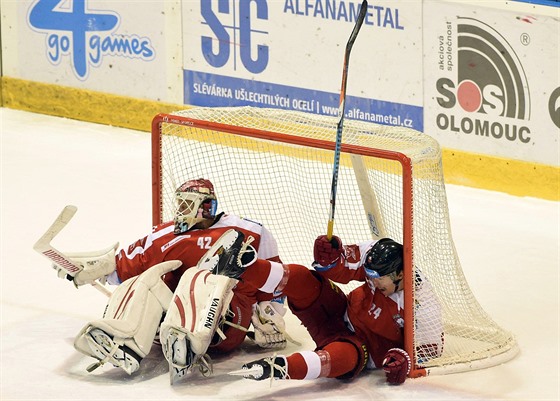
{"x": 428, "y": 334}
{"x": 268, "y": 247}
{"x": 269, "y": 327}
{"x": 144, "y": 253}
{"x": 96, "y": 266}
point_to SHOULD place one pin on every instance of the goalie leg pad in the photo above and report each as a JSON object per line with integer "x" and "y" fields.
{"x": 199, "y": 303}
{"x": 127, "y": 330}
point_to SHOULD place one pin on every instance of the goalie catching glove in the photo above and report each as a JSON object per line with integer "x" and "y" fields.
{"x": 268, "y": 324}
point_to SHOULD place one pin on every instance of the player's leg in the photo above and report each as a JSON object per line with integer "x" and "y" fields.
{"x": 233, "y": 256}
{"x": 230, "y": 255}
{"x": 320, "y": 305}
{"x": 339, "y": 359}
{"x": 339, "y": 352}
{"x": 294, "y": 281}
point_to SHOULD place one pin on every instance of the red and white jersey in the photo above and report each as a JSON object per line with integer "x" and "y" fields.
{"x": 376, "y": 318}
{"x": 163, "y": 245}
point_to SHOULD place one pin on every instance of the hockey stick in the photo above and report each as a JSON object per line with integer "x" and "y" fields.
{"x": 369, "y": 199}
{"x": 44, "y": 247}
{"x": 341, "y": 107}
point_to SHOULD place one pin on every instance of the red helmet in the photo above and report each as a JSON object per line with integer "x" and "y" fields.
{"x": 199, "y": 185}
{"x": 196, "y": 202}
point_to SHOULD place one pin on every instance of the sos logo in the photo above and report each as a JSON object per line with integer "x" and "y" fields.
{"x": 491, "y": 84}
{"x": 468, "y": 95}
{"x": 234, "y": 36}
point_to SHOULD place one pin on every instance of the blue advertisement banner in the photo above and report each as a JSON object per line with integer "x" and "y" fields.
{"x": 213, "y": 90}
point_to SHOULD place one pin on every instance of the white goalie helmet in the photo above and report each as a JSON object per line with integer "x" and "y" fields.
{"x": 195, "y": 202}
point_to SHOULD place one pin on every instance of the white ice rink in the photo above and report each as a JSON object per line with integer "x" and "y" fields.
{"x": 508, "y": 246}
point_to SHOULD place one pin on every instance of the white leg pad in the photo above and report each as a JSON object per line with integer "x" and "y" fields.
{"x": 131, "y": 319}
{"x": 199, "y": 302}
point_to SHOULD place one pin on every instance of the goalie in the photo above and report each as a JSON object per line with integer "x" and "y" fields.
{"x": 159, "y": 293}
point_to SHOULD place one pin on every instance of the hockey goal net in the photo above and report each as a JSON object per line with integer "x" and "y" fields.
{"x": 276, "y": 167}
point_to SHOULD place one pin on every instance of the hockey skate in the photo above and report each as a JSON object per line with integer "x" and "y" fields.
{"x": 230, "y": 255}
{"x": 274, "y": 368}
{"x": 181, "y": 358}
{"x": 106, "y": 350}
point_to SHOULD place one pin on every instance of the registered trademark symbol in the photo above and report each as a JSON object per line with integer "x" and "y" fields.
{"x": 525, "y": 39}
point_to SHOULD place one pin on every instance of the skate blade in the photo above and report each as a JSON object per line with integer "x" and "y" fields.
{"x": 255, "y": 371}
{"x": 176, "y": 374}
{"x": 105, "y": 350}
{"x": 177, "y": 346}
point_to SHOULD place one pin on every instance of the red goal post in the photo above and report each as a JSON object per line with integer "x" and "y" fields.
{"x": 275, "y": 166}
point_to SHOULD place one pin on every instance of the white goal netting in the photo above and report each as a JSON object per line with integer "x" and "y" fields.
{"x": 276, "y": 167}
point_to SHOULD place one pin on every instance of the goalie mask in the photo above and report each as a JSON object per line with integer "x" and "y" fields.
{"x": 195, "y": 202}
{"x": 384, "y": 258}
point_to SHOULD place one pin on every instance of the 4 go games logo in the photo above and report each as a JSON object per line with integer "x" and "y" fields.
{"x": 491, "y": 86}
{"x": 84, "y": 35}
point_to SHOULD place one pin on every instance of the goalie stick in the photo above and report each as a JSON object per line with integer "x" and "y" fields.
{"x": 369, "y": 199}
{"x": 341, "y": 107}
{"x": 44, "y": 247}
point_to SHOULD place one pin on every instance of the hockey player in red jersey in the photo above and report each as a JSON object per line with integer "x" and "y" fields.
{"x": 154, "y": 283}
{"x": 362, "y": 329}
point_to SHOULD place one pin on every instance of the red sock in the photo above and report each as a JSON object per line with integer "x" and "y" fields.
{"x": 297, "y": 368}
{"x": 344, "y": 358}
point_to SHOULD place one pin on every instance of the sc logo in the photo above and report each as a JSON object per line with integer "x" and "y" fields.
{"x": 238, "y": 37}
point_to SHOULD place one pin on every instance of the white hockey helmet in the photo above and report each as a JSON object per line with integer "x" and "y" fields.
{"x": 195, "y": 202}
